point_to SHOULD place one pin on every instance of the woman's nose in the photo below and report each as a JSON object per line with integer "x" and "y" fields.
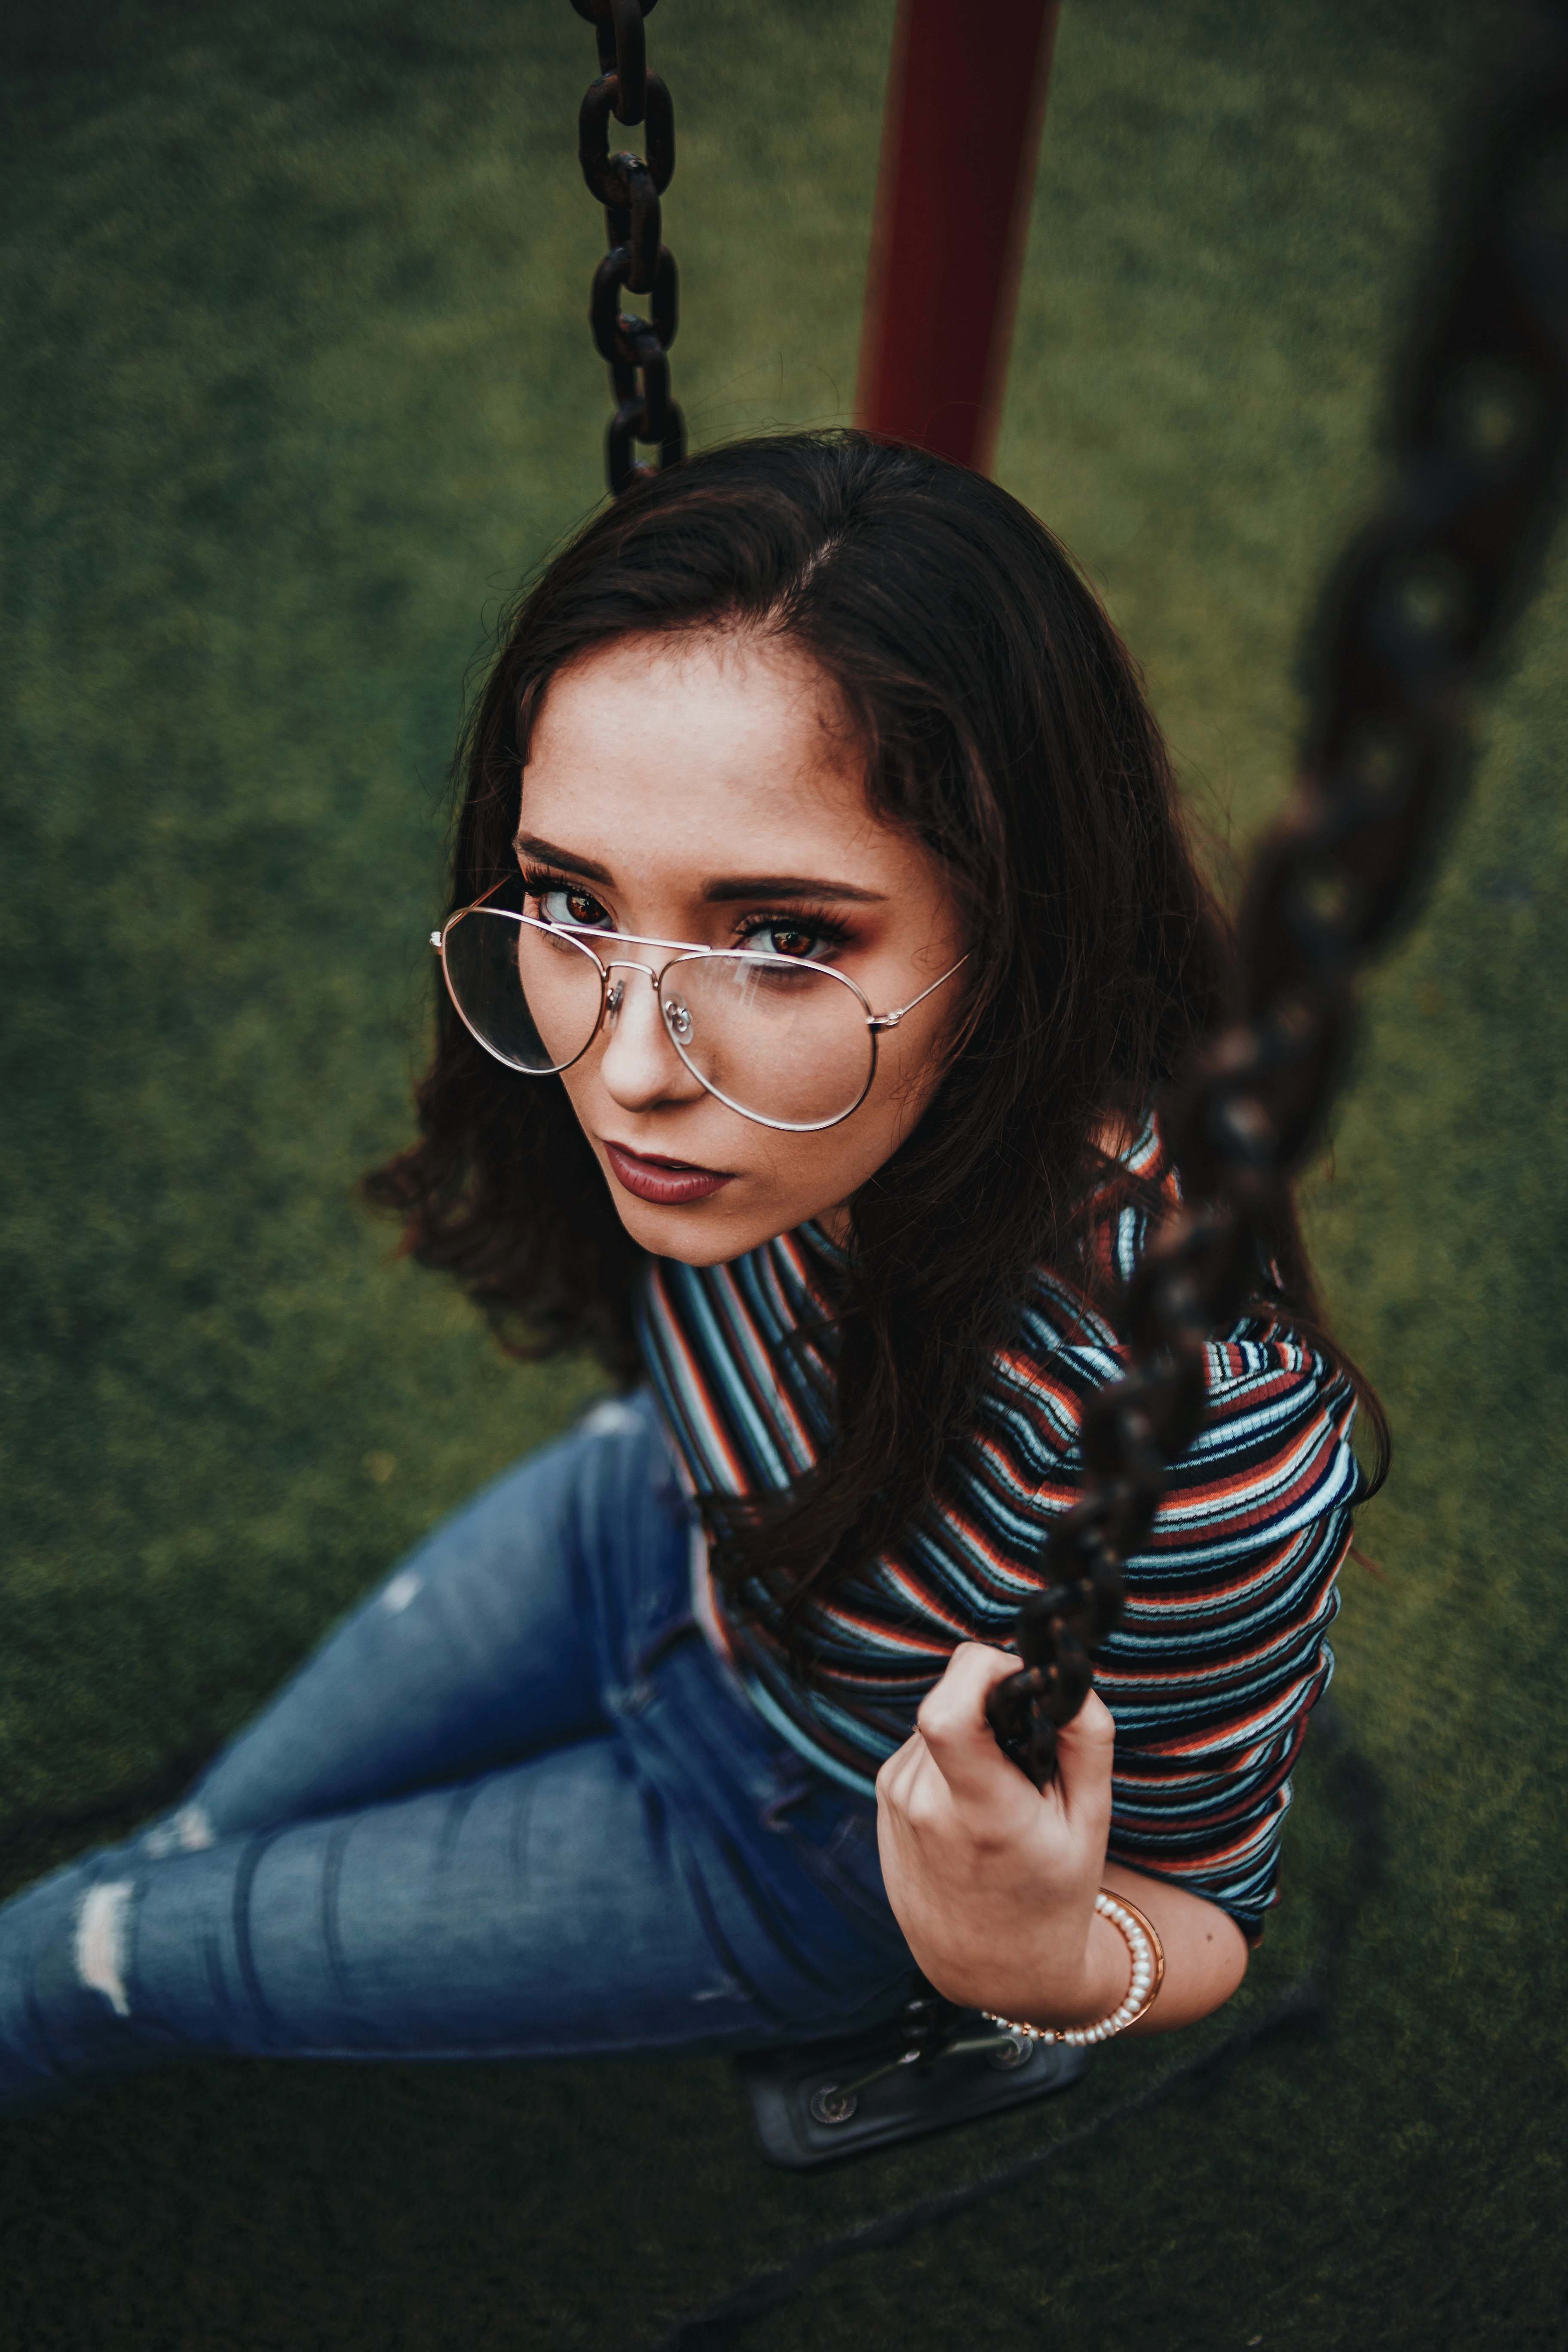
{"x": 638, "y": 1065}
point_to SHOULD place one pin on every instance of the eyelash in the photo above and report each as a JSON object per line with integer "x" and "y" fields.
{"x": 823, "y": 927}
{"x": 538, "y": 881}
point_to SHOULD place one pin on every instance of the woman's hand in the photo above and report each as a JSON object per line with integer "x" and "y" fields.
{"x": 992, "y": 1882}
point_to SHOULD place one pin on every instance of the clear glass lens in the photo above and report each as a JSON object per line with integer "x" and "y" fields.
{"x": 783, "y": 1042}
{"x": 531, "y": 995}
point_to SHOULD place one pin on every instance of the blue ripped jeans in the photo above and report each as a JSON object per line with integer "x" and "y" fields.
{"x": 514, "y": 1806}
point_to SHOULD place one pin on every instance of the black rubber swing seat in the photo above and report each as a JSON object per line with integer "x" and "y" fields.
{"x": 817, "y": 2102}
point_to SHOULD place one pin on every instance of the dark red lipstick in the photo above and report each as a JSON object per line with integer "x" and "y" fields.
{"x": 668, "y": 1183}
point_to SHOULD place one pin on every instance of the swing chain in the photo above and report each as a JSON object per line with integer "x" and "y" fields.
{"x": 629, "y": 187}
{"x": 1411, "y": 615}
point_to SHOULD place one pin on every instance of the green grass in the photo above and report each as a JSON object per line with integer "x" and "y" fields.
{"x": 296, "y": 384}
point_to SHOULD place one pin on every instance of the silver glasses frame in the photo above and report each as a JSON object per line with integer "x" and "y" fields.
{"x": 681, "y": 952}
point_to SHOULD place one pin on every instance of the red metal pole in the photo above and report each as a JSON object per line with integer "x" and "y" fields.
{"x": 966, "y": 96}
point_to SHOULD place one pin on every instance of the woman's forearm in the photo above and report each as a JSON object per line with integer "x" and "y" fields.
{"x": 993, "y": 1881}
{"x": 1035, "y": 1982}
{"x": 1206, "y": 1959}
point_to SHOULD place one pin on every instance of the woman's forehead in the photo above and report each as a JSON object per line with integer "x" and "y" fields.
{"x": 708, "y": 748}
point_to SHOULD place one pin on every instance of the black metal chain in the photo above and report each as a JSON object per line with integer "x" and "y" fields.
{"x": 1414, "y": 607}
{"x": 629, "y": 187}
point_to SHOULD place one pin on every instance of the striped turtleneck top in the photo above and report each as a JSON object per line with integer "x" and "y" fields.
{"x": 1221, "y": 1651}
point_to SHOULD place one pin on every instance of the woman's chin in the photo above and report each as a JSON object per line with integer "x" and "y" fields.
{"x": 694, "y": 1233}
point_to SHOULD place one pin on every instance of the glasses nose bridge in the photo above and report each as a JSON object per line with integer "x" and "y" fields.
{"x": 614, "y": 991}
{"x": 630, "y": 964}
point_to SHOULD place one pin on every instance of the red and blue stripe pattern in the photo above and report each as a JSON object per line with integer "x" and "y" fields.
{"x": 1222, "y": 1650}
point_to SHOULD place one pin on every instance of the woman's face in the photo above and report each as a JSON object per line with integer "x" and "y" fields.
{"x": 709, "y": 790}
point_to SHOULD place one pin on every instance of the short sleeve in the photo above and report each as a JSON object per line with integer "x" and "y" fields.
{"x": 1223, "y": 1648}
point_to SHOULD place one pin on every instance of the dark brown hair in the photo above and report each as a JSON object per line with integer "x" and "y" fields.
{"x": 1003, "y": 722}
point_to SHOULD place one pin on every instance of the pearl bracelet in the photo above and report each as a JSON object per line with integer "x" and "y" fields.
{"x": 1148, "y": 1956}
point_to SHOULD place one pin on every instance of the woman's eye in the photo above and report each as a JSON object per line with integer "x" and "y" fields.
{"x": 797, "y": 940}
{"x": 558, "y": 904}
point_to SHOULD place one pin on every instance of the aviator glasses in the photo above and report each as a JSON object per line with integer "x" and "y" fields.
{"x": 787, "y": 1042}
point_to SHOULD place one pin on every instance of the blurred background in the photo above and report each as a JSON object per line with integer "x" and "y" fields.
{"x": 296, "y": 386}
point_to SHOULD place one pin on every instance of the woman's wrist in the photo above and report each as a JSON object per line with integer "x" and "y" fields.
{"x": 1147, "y": 1973}
{"x": 1059, "y": 1985}
{"x": 1102, "y": 1980}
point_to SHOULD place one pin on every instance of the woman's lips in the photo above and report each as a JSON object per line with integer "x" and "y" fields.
{"x": 667, "y": 1182}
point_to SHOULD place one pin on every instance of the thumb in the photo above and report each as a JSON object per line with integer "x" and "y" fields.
{"x": 1084, "y": 1750}
{"x": 953, "y": 1724}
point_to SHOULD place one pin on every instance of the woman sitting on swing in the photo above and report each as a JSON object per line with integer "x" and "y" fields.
{"x": 823, "y": 928}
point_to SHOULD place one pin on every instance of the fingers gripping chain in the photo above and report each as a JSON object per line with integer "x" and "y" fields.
{"x": 1414, "y": 609}
{"x": 629, "y": 188}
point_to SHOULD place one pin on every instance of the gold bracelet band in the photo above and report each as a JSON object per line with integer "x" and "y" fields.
{"x": 1148, "y": 1956}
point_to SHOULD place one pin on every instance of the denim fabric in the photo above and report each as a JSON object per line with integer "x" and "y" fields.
{"x": 514, "y": 1806}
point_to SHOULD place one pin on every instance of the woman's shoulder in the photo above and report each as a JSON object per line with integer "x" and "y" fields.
{"x": 1068, "y": 1345}
{"x": 1273, "y": 1456}
{"x": 1068, "y": 1318}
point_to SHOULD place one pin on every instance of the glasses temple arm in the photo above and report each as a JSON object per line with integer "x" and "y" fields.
{"x": 891, "y": 1020}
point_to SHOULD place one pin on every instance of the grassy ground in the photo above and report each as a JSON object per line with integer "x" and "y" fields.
{"x": 295, "y": 384}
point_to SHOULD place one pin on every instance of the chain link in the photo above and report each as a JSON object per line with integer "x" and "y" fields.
{"x": 1415, "y": 606}
{"x": 638, "y": 261}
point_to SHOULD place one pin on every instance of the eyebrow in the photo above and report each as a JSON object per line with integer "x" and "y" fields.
{"x": 718, "y": 893}
{"x": 529, "y": 844}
